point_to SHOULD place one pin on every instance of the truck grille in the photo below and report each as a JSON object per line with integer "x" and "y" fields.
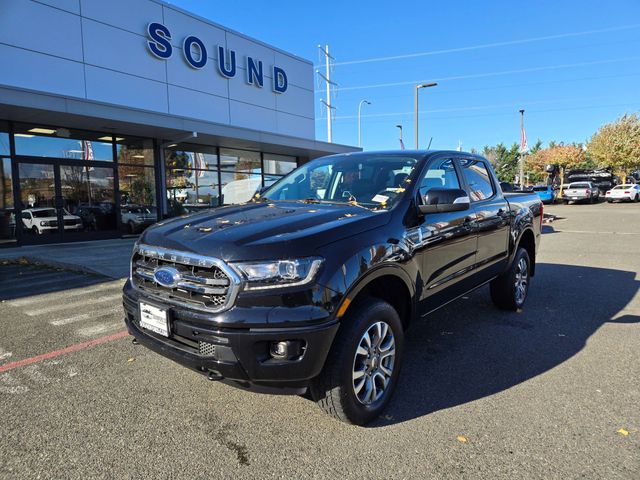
{"x": 204, "y": 283}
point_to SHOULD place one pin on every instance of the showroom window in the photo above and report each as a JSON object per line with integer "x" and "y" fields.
{"x": 192, "y": 179}
{"x": 7, "y": 211}
{"x": 276, "y": 166}
{"x": 137, "y": 184}
{"x": 55, "y": 142}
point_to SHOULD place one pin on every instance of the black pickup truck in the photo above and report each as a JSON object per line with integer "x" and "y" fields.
{"x": 311, "y": 286}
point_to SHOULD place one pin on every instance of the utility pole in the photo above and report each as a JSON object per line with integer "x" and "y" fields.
{"x": 329, "y": 60}
{"x": 418, "y": 87}
{"x": 523, "y": 149}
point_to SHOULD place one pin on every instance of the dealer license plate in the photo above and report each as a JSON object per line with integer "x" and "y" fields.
{"x": 574, "y": 198}
{"x": 154, "y": 318}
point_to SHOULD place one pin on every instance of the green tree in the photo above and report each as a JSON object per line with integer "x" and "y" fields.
{"x": 617, "y": 145}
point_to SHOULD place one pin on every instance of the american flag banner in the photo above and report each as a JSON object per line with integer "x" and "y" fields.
{"x": 87, "y": 150}
{"x": 523, "y": 139}
{"x": 199, "y": 163}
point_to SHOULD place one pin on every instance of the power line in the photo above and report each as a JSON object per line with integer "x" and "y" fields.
{"x": 521, "y": 84}
{"x": 492, "y": 74}
{"x": 490, "y": 45}
{"x": 510, "y": 113}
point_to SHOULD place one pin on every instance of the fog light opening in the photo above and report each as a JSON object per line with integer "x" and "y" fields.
{"x": 287, "y": 349}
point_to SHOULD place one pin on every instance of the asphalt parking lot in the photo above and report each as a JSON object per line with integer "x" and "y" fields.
{"x": 551, "y": 392}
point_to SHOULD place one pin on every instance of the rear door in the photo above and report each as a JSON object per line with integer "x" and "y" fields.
{"x": 492, "y": 217}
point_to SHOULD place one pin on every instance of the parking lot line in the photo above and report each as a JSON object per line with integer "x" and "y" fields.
{"x": 63, "y": 351}
{"x": 84, "y": 316}
{"x": 4, "y": 354}
{"x": 88, "y": 331}
{"x": 81, "y": 303}
{"x": 48, "y": 297}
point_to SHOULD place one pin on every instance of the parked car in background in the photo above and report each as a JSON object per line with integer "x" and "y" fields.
{"x": 137, "y": 218}
{"x": 629, "y": 193}
{"x": 581, "y": 192}
{"x": 546, "y": 193}
{"x": 41, "y": 220}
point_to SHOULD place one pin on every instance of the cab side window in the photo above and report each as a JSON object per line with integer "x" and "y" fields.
{"x": 440, "y": 174}
{"x": 478, "y": 179}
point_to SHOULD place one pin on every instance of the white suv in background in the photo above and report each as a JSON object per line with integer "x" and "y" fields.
{"x": 41, "y": 220}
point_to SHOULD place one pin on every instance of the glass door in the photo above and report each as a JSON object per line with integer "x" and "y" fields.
{"x": 66, "y": 202}
{"x": 39, "y": 215}
{"x": 87, "y": 200}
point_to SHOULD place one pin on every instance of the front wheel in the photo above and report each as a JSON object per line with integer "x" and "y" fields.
{"x": 509, "y": 291}
{"x": 361, "y": 371}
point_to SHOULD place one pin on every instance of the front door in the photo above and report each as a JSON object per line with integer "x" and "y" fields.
{"x": 448, "y": 240}
{"x": 63, "y": 202}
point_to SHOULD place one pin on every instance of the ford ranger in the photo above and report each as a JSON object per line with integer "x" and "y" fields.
{"x": 310, "y": 287}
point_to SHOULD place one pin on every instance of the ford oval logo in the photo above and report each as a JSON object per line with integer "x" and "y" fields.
{"x": 167, "y": 276}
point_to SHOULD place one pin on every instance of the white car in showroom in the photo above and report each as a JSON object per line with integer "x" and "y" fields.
{"x": 41, "y": 220}
{"x": 629, "y": 192}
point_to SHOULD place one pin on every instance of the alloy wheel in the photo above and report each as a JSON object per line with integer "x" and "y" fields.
{"x": 373, "y": 363}
{"x": 522, "y": 281}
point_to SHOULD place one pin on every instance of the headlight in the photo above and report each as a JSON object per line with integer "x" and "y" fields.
{"x": 44, "y": 223}
{"x": 279, "y": 273}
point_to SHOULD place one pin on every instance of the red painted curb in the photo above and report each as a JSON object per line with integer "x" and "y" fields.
{"x": 57, "y": 353}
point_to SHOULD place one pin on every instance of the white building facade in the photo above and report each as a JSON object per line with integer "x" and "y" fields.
{"x": 114, "y": 114}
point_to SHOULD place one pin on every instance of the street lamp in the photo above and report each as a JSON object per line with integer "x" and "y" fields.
{"x": 359, "y": 111}
{"x": 418, "y": 87}
{"x": 401, "y": 142}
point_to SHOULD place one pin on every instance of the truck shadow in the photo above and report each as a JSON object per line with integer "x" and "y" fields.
{"x": 470, "y": 350}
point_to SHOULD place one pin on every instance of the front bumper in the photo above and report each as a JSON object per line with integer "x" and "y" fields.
{"x": 241, "y": 356}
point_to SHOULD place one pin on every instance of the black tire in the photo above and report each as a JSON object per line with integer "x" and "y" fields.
{"x": 132, "y": 228}
{"x": 637, "y": 198}
{"x": 35, "y": 230}
{"x": 334, "y": 389}
{"x": 504, "y": 288}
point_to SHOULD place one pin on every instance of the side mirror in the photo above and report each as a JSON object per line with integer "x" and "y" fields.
{"x": 441, "y": 200}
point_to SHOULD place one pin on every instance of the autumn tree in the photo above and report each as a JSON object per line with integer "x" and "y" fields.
{"x": 617, "y": 145}
{"x": 564, "y": 156}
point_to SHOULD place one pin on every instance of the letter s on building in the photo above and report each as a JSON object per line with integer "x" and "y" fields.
{"x": 160, "y": 43}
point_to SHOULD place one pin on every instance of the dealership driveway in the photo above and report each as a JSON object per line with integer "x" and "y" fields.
{"x": 552, "y": 392}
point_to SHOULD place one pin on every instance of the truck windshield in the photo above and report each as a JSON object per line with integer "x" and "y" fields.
{"x": 579, "y": 185}
{"x": 373, "y": 181}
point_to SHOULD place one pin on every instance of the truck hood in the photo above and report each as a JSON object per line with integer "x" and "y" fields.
{"x": 261, "y": 231}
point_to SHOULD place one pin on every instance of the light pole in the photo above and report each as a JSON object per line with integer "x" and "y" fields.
{"x": 523, "y": 147}
{"x": 418, "y": 87}
{"x": 359, "y": 111}
{"x": 401, "y": 142}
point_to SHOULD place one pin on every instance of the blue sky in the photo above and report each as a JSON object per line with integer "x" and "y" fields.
{"x": 572, "y": 65}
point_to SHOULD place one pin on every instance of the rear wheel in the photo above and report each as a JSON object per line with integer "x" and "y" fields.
{"x": 361, "y": 371}
{"x": 509, "y": 291}
{"x": 637, "y": 198}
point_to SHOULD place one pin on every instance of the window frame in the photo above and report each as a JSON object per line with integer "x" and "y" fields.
{"x": 492, "y": 181}
{"x": 456, "y": 167}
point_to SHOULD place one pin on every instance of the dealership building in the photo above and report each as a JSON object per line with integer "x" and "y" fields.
{"x": 115, "y": 114}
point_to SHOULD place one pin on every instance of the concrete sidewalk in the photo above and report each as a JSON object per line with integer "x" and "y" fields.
{"x": 103, "y": 257}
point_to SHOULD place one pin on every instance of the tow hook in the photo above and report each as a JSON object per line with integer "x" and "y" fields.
{"x": 214, "y": 376}
{"x": 135, "y": 341}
